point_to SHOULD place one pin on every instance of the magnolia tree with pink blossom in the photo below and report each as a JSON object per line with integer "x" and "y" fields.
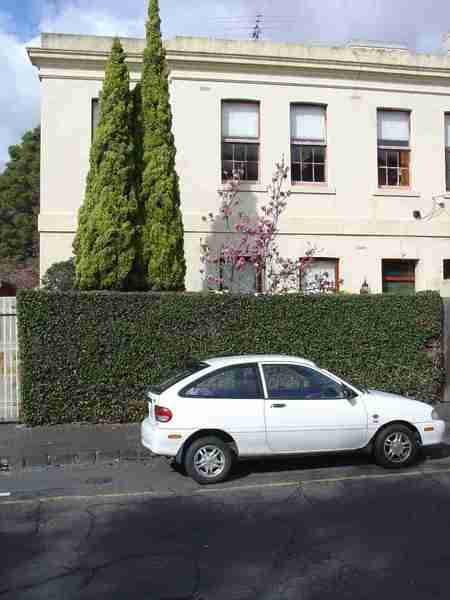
{"x": 253, "y": 241}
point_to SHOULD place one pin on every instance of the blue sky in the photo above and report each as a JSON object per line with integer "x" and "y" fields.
{"x": 419, "y": 24}
{"x": 24, "y": 17}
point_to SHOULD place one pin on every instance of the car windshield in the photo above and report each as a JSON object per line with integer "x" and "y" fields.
{"x": 178, "y": 375}
{"x": 357, "y": 386}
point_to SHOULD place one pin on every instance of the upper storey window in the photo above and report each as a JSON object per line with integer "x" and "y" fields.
{"x": 447, "y": 151}
{"x": 393, "y": 148}
{"x": 240, "y": 140}
{"x": 95, "y": 116}
{"x": 308, "y": 143}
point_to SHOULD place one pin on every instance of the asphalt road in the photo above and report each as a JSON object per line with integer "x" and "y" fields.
{"x": 310, "y": 529}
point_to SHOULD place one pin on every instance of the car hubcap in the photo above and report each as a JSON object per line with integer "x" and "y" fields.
{"x": 209, "y": 461}
{"x": 397, "y": 447}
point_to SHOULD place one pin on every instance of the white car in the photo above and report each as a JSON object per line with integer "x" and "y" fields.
{"x": 221, "y": 409}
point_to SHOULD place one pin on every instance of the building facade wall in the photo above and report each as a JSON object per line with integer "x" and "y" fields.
{"x": 349, "y": 217}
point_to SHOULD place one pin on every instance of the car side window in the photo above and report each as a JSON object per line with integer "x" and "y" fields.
{"x": 239, "y": 381}
{"x": 296, "y": 382}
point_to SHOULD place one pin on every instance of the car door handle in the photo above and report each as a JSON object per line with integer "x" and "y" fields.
{"x": 278, "y": 406}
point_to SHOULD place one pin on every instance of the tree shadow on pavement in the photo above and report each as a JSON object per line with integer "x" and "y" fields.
{"x": 363, "y": 539}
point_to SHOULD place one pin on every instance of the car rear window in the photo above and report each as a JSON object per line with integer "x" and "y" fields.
{"x": 178, "y": 375}
{"x": 237, "y": 381}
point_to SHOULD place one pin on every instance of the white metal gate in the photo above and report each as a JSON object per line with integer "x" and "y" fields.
{"x": 9, "y": 375}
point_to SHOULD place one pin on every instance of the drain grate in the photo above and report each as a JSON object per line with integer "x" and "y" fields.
{"x": 98, "y": 480}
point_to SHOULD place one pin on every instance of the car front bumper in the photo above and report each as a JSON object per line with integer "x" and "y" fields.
{"x": 432, "y": 433}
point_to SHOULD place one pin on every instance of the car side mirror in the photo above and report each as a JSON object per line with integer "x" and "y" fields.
{"x": 347, "y": 393}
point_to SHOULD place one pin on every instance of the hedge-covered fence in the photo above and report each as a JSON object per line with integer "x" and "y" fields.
{"x": 88, "y": 356}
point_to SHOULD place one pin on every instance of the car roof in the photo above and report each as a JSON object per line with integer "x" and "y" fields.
{"x": 223, "y": 361}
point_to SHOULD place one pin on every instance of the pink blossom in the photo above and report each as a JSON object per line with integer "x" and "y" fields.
{"x": 256, "y": 237}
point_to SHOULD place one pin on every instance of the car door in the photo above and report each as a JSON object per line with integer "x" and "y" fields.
{"x": 308, "y": 411}
{"x": 228, "y": 399}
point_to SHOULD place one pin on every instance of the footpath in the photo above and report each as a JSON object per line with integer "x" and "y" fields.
{"x": 24, "y": 447}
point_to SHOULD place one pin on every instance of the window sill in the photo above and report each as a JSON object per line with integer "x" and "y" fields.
{"x": 312, "y": 189}
{"x": 392, "y": 192}
{"x": 245, "y": 187}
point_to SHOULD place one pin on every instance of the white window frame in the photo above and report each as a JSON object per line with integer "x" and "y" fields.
{"x": 307, "y": 142}
{"x": 242, "y": 140}
{"x": 394, "y": 148}
{"x": 447, "y": 151}
{"x": 318, "y": 260}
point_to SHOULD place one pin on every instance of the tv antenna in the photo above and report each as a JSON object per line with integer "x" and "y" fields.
{"x": 257, "y": 32}
{"x": 252, "y": 27}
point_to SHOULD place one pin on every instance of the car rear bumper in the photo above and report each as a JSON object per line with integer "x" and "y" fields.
{"x": 157, "y": 439}
{"x": 432, "y": 433}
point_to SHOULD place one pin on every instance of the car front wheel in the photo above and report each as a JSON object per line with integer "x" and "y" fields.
{"x": 208, "y": 460}
{"x": 396, "y": 447}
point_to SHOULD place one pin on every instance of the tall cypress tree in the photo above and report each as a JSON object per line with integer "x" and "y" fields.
{"x": 19, "y": 199}
{"x": 162, "y": 229}
{"x": 105, "y": 244}
{"x": 138, "y": 279}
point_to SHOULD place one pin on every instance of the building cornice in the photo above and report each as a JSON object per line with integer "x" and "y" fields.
{"x": 88, "y": 53}
{"x": 55, "y": 63}
{"x": 191, "y": 60}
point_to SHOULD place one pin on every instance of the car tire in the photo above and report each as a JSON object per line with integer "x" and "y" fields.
{"x": 396, "y": 447}
{"x": 208, "y": 460}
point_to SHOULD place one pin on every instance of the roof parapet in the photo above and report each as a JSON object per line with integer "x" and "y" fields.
{"x": 373, "y": 45}
{"x": 89, "y": 53}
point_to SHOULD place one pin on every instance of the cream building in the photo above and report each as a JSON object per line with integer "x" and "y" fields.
{"x": 363, "y": 128}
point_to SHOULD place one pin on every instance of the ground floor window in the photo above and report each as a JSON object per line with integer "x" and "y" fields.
{"x": 7, "y": 289}
{"x": 320, "y": 275}
{"x": 246, "y": 280}
{"x": 399, "y": 276}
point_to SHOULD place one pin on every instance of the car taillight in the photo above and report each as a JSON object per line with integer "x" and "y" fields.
{"x": 162, "y": 414}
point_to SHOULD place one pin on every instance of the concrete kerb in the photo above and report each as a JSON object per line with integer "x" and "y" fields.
{"x": 8, "y": 464}
{"x": 78, "y": 444}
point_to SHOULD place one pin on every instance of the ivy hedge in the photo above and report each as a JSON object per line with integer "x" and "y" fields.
{"x": 88, "y": 356}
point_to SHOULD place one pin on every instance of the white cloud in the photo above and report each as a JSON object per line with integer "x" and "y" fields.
{"x": 329, "y": 21}
{"x": 91, "y": 18}
{"x": 19, "y": 92}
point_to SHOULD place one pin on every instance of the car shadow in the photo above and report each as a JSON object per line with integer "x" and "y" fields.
{"x": 266, "y": 465}
{"x": 436, "y": 452}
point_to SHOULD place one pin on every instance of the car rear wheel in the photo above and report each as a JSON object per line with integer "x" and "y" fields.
{"x": 208, "y": 460}
{"x": 396, "y": 447}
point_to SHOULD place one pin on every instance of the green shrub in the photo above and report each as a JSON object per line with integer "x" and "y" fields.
{"x": 88, "y": 356}
{"x": 60, "y": 277}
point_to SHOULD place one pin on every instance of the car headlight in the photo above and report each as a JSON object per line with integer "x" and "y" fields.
{"x": 435, "y": 415}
